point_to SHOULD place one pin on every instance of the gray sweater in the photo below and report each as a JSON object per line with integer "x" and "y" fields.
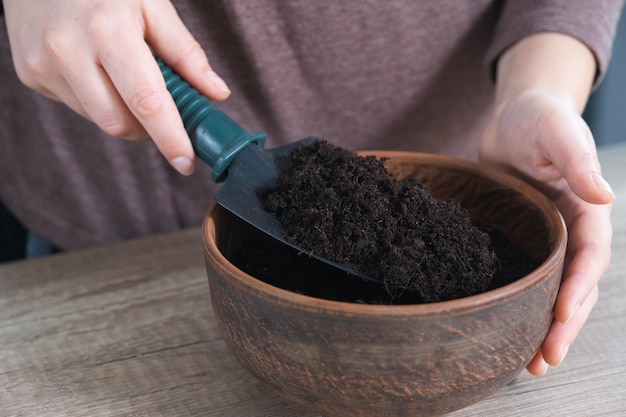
{"x": 395, "y": 74}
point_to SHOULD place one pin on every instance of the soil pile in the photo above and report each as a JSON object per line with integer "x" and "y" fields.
{"x": 348, "y": 208}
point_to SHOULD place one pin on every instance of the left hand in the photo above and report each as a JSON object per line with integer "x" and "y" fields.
{"x": 543, "y": 140}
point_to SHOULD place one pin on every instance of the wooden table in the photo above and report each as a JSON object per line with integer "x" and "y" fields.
{"x": 128, "y": 330}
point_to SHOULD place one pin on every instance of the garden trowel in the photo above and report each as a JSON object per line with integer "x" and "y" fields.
{"x": 238, "y": 159}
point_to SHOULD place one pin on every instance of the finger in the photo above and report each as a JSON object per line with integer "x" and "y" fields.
{"x": 570, "y": 147}
{"x": 101, "y": 102}
{"x": 589, "y": 255}
{"x": 172, "y": 42}
{"x": 561, "y": 336}
{"x": 63, "y": 93}
{"x": 537, "y": 366}
{"x": 148, "y": 99}
{"x": 142, "y": 88}
{"x": 55, "y": 87}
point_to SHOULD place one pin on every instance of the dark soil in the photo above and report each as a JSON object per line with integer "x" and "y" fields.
{"x": 348, "y": 208}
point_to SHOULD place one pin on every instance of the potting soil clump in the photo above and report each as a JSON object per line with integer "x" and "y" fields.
{"x": 349, "y": 209}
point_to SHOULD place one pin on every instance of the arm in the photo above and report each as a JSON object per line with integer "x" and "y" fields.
{"x": 542, "y": 85}
{"x": 552, "y": 62}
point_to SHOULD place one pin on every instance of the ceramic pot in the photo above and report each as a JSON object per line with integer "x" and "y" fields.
{"x": 345, "y": 359}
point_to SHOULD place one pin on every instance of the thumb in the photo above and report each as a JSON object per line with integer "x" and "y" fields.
{"x": 571, "y": 149}
{"x": 171, "y": 40}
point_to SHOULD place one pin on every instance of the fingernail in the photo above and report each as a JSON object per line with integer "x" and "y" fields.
{"x": 601, "y": 183}
{"x": 183, "y": 165}
{"x": 564, "y": 351}
{"x": 218, "y": 82}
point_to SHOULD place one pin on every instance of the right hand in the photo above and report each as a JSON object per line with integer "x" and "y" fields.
{"x": 96, "y": 56}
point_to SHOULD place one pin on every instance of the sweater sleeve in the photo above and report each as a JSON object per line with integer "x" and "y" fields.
{"x": 592, "y": 22}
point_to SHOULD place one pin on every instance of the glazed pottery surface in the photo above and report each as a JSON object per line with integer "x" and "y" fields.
{"x": 347, "y": 359}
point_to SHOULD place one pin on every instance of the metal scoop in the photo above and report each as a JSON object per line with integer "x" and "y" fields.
{"x": 237, "y": 158}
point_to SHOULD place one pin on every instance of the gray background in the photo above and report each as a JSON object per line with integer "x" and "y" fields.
{"x": 606, "y": 111}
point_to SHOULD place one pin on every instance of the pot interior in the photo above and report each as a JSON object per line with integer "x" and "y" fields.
{"x": 514, "y": 211}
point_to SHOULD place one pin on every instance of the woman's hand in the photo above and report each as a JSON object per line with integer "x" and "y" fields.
{"x": 541, "y": 138}
{"x": 96, "y": 56}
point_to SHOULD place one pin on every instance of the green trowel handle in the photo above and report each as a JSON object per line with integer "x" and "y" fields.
{"x": 216, "y": 138}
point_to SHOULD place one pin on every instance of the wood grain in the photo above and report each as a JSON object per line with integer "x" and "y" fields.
{"x": 124, "y": 330}
{"x": 128, "y": 330}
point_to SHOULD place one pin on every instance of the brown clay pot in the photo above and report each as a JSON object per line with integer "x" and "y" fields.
{"x": 346, "y": 359}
